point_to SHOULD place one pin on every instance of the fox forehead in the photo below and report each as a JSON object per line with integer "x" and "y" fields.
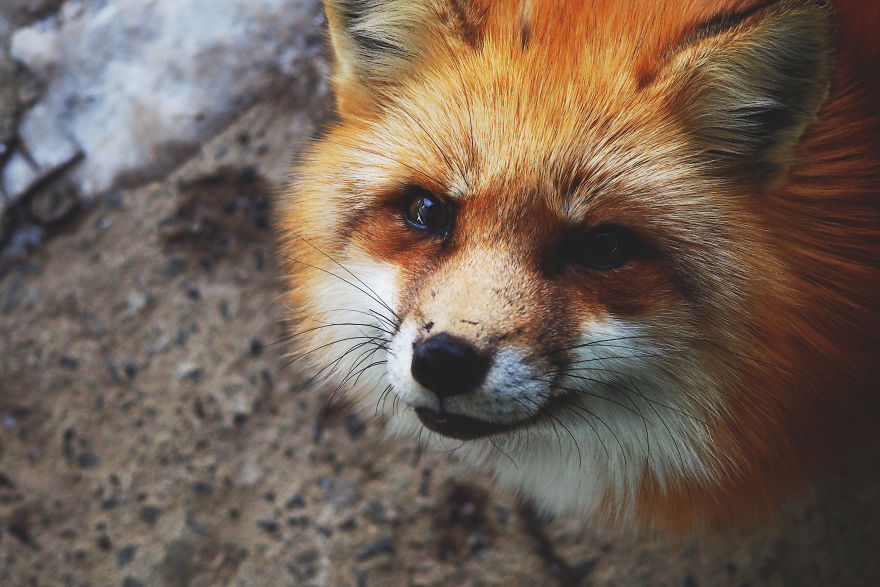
{"x": 516, "y": 140}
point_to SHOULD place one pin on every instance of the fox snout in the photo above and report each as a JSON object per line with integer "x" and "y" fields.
{"x": 448, "y": 365}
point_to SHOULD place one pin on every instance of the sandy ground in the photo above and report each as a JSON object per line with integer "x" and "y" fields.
{"x": 152, "y": 434}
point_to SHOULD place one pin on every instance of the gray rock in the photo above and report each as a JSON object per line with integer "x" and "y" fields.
{"x": 54, "y": 202}
{"x": 135, "y": 85}
{"x": 18, "y": 176}
{"x": 48, "y": 145}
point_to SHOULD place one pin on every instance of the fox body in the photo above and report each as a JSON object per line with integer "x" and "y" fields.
{"x": 625, "y": 255}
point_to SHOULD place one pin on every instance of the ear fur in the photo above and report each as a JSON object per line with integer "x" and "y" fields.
{"x": 748, "y": 88}
{"x": 375, "y": 42}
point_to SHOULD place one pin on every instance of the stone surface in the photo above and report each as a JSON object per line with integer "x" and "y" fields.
{"x": 49, "y": 147}
{"x": 19, "y": 175}
{"x": 137, "y": 85}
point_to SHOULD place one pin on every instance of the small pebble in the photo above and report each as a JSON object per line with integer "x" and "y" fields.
{"x": 150, "y": 513}
{"x": 69, "y": 362}
{"x": 270, "y": 526}
{"x": 88, "y": 460}
{"x": 384, "y": 545}
{"x": 296, "y": 502}
{"x": 203, "y": 488}
{"x": 125, "y": 555}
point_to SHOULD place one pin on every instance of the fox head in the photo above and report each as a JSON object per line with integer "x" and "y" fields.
{"x": 566, "y": 238}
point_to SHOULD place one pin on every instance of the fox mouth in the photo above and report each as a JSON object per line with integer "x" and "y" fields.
{"x": 463, "y": 427}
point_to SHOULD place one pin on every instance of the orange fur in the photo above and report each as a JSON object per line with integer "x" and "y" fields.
{"x": 532, "y": 117}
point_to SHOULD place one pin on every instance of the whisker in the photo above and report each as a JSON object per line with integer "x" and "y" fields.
{"x": 370, "y": 294}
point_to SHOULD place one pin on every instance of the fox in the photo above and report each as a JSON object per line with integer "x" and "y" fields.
{"x": 622, "y": 255}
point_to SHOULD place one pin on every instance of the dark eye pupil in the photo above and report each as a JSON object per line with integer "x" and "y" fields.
{"x": 426, "y": 211}
{"x": 604, "y": 248}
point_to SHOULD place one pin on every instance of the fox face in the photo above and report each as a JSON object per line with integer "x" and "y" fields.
{"x": 575, "y": 244}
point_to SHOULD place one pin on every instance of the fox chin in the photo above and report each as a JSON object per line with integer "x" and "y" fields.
{"x": 625, "y": 255}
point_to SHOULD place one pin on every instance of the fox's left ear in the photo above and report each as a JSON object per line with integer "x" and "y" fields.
{"x": 376, "y": 42}
{"x": 748, "y": 87}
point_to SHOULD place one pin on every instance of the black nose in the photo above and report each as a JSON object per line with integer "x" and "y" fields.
{"x": 448, "y": 365}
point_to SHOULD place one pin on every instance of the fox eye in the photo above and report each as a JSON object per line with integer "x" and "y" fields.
{"x": 424, "y": 211}
{"x": 603, "y": 248}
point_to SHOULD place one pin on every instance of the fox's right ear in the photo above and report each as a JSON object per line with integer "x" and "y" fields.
{"x": 375, "y": 42}
{"x": 746, "y": 88}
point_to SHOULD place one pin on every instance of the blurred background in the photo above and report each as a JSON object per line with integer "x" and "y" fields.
{"x": 151, "y": 431}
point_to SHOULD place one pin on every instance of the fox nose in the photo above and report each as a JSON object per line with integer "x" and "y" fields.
{"x": 448, "y": 365}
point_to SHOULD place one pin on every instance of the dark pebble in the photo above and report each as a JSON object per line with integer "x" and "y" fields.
{"x": 22, "y": 533}
{"x": 150, "y": 513}
{"x": 132, "y": 582}
{"x": 109, "y": 503}
{"x": 256, "y": 347}
{"x": 384, "y": 545}
{"x": 68, "y": 534}
{"x": 203, "y": 488}
{"x": 296, "y": 502}
{"x": 270, "y": 526}
{"x": 375, "y": 512}
{"x": 193, "y": 374}
{"x": 131, "y": 370}
{"x": 125, "y": 555}
{"x": 193, "y": 293}
{"x": 69, "y": 362}
{"x": 298, "y": 521}
{"x": 6, "y": 482}
{"x": 176, "y": 267}
{"x": 104, "y": 543}
{"x": 348, "y": 525}
{"x": 354, "y": 426}
{"x": 88, "y": 460}
{"x": 325, "y": 531}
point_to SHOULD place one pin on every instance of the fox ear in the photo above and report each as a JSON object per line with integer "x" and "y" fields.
{"x": 375, "y": 42}
{"x": 748, "y": 88}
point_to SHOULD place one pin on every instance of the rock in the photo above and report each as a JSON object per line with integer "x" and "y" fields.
{"x": 150, "y": 514}
{"x": 18, "y": 176}
{"x": 190, "y": 372}
{"x": 53, "y": 203}
{"x": 384, "y": 545}
{"x": 269, "y": 526}
{"x": 135, "y": 85}
{"x": 49, "y": 146}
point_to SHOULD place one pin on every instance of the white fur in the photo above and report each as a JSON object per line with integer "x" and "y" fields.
{"x": 351, "y": 297}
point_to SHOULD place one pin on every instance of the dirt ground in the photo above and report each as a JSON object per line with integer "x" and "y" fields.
{"x": 152, "y": 434}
